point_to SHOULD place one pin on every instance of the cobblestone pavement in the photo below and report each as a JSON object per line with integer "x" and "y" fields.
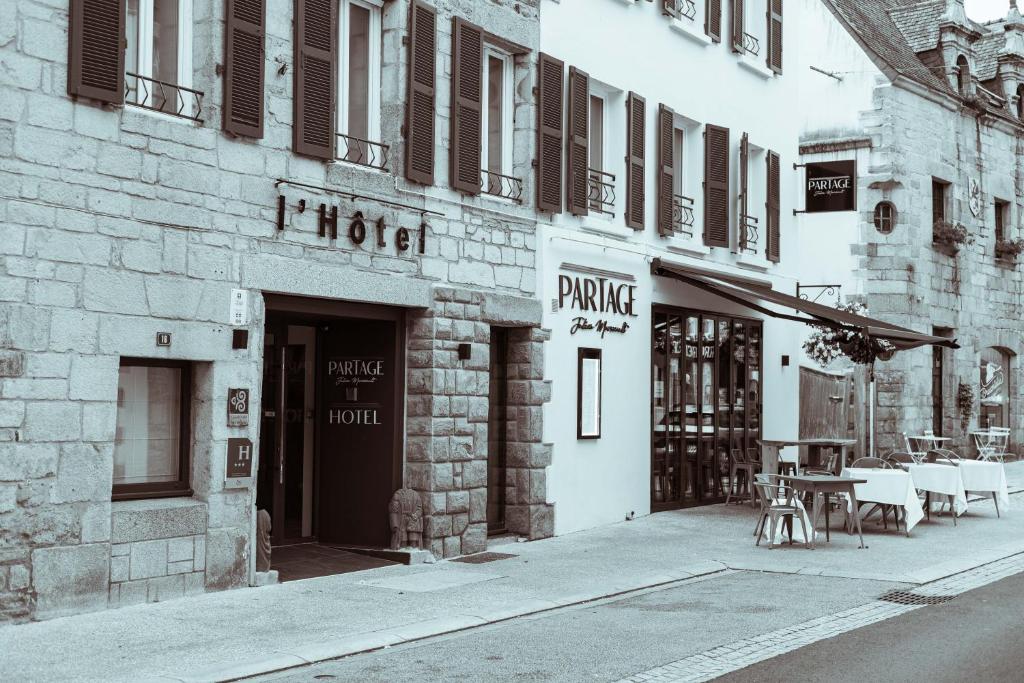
{"x": 737, "y": 655}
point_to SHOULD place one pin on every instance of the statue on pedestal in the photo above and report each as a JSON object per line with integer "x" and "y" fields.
{"x": 406, "y": 517}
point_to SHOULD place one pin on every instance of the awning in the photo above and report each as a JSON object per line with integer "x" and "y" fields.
{"x": 760, "y": 298}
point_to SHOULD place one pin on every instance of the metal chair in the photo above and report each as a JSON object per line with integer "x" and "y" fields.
{"x": 943, "y": 456}
{"x": 772, "y": 511}
{"x": 877, "y": 463}
{"x": 871, "y": 463}
{"x": 984, "y": 445}
{"x": 742, "y": 466}
{"x": 900, "y": 460}
{"x": 828, "y": 468}
{"x": 918, "y": 455}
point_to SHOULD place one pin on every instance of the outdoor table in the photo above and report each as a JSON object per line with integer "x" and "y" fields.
{"x": 887, "y": 487}
{"x": 770, "y": 455}
{"x": 981, "y": 476}
{"x": 936, "y": 441}
{"x": 942, "y": 479}
{"x": 816, "y": 484}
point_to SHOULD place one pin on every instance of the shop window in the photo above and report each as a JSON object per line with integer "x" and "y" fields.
{"x": 995, "y": 388}
{"x": 151, "y": 448}
{"x": 158, "y": 56}
{"x": 359, "y": 41}
{"x": 497, "y": 125}
{"x": 885, "y": 217}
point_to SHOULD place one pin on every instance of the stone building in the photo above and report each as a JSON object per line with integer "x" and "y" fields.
{"x": 240, "y": 270}
{"x": 930, "y": 105}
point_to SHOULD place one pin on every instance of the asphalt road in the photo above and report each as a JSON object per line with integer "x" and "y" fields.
{"x": 607, "y": 640}
{"x": 978, "y": 636}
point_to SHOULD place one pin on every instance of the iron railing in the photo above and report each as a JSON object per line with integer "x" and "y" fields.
{"x": 680, "y": 9}
{"x": 363, "y": 152}
{"x": 499, "y": 185}
{"x": 750, "y": 235}
{"x": 682, "y": 215}
{"x": 601, "y": 192}
{"x": 751, "y": 44}
{"x": 168, "y": 98}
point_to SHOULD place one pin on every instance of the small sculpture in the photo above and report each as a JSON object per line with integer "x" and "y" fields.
{"x": 262, "y": 541}
{"x": 406, "y": 516}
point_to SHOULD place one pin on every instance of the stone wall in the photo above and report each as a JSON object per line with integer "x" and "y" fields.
{"x": 117, "y": 223}
{"x": 910, "y": 282}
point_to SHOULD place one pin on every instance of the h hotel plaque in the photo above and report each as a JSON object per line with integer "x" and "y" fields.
{"x": 239, "y": 461}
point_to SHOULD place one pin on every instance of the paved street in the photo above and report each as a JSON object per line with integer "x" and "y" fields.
{"x": 976, "y": 636}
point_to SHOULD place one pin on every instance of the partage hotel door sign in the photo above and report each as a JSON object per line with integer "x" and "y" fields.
{"x": 359, "y": 470}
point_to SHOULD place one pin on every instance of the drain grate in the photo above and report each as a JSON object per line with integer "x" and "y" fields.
{"x": 481, "y": 558}
{"x": 908, "y": 598}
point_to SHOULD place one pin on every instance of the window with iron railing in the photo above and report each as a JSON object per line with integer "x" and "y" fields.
{"x": 358, "y": 106}
{"x": 682, "y": 215}
{"x": 680, "y": 9}
{"x": 158, "y": 58}
{"x": 601, "y": 192}
{"x": 749, "y": 234}
{"x": 499, "y": 185}
{"x": 497, "y": 126}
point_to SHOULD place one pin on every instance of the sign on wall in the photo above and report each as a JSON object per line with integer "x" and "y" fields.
{"x": 239, "y": 461}
{"x": 238, "y": 407}
{"x": 830, "y": 186}
{"x": 604, "y": 300}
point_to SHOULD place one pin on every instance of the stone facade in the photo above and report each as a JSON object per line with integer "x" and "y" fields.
{"x": 118, "y": 223}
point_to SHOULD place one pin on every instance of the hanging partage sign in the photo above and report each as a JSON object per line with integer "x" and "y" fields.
{"x": 830, "y": 186}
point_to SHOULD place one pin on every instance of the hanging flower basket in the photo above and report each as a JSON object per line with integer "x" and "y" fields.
{"x": 826, "y": 344}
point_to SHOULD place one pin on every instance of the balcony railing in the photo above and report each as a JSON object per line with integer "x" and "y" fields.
{"x": 681, "y": 9}
{"x": 363, "y": 152}
{"x": 500, "y": 185}
{"x": 601, "y": 192}
{"x": 682, "y": 215}
{"x": 751, "y": 44}
{"x": 749, "y": 236}
{"x": 168, "y": 98}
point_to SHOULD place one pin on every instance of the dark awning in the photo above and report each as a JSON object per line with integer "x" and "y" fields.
{"x": 746, "y": 292}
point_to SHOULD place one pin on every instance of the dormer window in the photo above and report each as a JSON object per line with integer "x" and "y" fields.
{"x": 963, "y": 76}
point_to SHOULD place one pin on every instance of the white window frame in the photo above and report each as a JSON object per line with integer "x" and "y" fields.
{"x": 507, "y": 108}
{"x": 373, "y": 99}
{"x": 144, "y": 56}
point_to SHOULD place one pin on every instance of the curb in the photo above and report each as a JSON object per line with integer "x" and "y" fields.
{"x": 376, "y": 640}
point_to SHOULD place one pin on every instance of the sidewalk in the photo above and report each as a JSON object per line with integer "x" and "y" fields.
{"x": 231, "y": 634}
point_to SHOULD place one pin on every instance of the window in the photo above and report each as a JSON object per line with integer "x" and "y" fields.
{"x": 1002, "y": 210}
{"x": 497, "y": 124}
{"x": 1020, "y": 102}
{"x": 601, "y": 188}
{"x": 588, "y": 394}
{"x": 151, "y": 448}
{"x": 358, "y": 112}
{"x": 158, "y": 57}
{"x": 938, "y": 201}
{"x": 995, "y": 388}
{"x": 963, "y": 76}
{"x": 885, "y": 217}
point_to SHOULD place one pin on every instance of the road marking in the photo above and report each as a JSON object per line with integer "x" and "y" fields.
{"x": 723, "y": 659}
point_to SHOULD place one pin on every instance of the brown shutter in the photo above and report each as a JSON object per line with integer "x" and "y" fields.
{"x": 245, "y": 29}
{"x": 549, "y": 133}
{"x": 716, "y": 186}
{"x": 96, "y": 49}
{"x": 467, "y": 105}
{"x": 636, "y": 134}
{"x": 736, "y": 16}
{"x": 666, "y": 168}
{"x": 744, "y": 186}
{"x": 316, "y": 49}
{"x": 668, "y": 8}
{"x": 772, "y": 206}
{"x": 419, "y": 110}
{"x": 775, "y": 35}
{"x": 713, "y": 20}
{"x": 578, "y": 141}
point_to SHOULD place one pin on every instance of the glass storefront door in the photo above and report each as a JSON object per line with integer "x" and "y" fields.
{"x": 706, "y": 402}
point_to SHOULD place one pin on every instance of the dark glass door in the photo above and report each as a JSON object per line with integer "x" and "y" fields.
{"x": 705, "y": 403}
{"x": 497, "y": 431}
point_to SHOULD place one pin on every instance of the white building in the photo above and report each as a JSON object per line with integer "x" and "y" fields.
{"x": 671, "y": 164}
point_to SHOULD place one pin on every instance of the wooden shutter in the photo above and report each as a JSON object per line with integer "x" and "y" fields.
{"x": 713, "y": 20}
{"x": 636, "y": 134}
{"x": 316, "y": 49}
{"x": 549, "y": 133}
{"x": 245, "y": 30}
{"x": 772, "y": 205}
{"x": 578, "y": 141}
{"x": 419, "y": 110}
{"x": 666, "y": 168}
{"x": 96, "y": 49}
{"x": 467, "y": 105}
{"x": 716, "y": 186}
{"x": 744, "y": 187}
{"x": 736, "y": 16}
{"x": 775, "y": 35}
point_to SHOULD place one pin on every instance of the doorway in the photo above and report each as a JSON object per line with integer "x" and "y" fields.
{"x": 497, "y": 431}
{"x": 331, "y": 423}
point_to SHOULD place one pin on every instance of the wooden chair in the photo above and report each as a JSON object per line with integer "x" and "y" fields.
{"x": 772, "y": 511}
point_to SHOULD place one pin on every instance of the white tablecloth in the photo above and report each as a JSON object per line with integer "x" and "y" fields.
{"x": 985, "y": 478}
{"x": 890, "y": 487}
{"x": 942, "y": 479}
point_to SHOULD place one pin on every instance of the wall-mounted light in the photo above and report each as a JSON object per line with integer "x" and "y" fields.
{"x": 465, "y": 351}
{"x": 785, "y": 361}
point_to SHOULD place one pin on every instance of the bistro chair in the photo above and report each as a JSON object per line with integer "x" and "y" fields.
{"x": 943, "y": 456}
{"x": 986, "y": 449}
{"x": 827, "y": 468}
{"x": 742, "y": 469}
{"x": 871, "y": 463}
{"x": 900, "y": 459}
{"x": 918, "y": 455}
{"x": 772, "y": 510}
{"x": 879, "y": 463}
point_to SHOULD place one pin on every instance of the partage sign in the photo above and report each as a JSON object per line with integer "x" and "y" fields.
{"x": 831, "y": 186}
{"x": 603, "y": 303}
